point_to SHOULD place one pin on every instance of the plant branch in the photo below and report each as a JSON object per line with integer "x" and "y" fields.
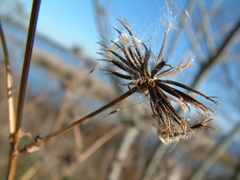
{"x": 217, "y": 57}
{"x": 9, "y": 77}
{"x": 38, "y": 140}
{"x": 212, "y": 157}
{"x": 92, "y": 149}
{"x": 22, "y": 89}
{"x": 206, "y": 27}
{"x": 177, "y": 34}
{"x": 156, "y": 158}
{"x": 122, "y": 154}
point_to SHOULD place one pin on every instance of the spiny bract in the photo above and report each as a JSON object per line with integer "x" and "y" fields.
{"x": 146, "y": 72}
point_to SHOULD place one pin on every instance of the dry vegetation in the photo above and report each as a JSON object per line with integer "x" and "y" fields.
{"x": 115, "y": 144}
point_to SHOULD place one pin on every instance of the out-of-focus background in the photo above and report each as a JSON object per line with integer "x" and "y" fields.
{"x": 66, "y": 83}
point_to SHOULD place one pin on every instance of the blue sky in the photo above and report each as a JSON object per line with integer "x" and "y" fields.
{"x": 73, "y": 22}
{"x": 68, "y": 22}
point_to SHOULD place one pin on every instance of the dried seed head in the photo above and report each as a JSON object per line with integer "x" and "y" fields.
{"x": 139, "y": 65}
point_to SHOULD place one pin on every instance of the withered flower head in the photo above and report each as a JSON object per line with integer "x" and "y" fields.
{"x": 146, "y": 72}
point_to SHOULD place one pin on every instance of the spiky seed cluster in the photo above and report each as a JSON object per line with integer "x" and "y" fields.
{"x": 145, "y": 71}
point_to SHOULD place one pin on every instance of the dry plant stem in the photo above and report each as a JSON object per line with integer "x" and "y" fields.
{"x": 66, "y": 104}
{"x": 93, "y": 148}
{"x": 9, "y": 76}
{"x": 156, "y": 159}
{"x": 45, "y": 168}
{"x": 176, "y": 36}
{"x": 102, "y": 23}
{"x": 22, "y": 89}
{"x": 29, "y": 106}
{"x": 80, "y": 157}
{"x": 212, "y": 157}
{"x": 63, "y": 73}
{"x": 206, "y": 25}
{"x": 213, "y": 60}
{"x": 195, "y": 40}
{"x": 122, "y": 154}
{"x": 40, "y": 140}
{"x": 31, "y": 171}
{"x": 99, "y": 19}
{"x": 78, "y": 138}
{"x": 194, "y": 44}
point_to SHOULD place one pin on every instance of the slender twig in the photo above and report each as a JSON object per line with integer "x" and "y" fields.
{"x": 212, "y": 157}
{"x": 195, "y": 41}
{"x": 67, "y": 102}
{"x": 129, "y": 137}
{"x": 177, "y": 34}
{"x": 63, "y": 73}
{"x": 45, "y": 168}
{"x": 102, "y": 23}
{"x": 22, "y": 89}
{"x": 31, "y": 171}
{"x": 93, "y": 148}
{"x": 99, "y": 19}
{"x": 206, "y": 27}
{"x": 156, "y": 158}
{"x": 214, "y": 7}
{"x": 191, "y": 34}
{"x": 78, "y": 138}
{"x": 29, "y": 106}
{"x": 9, "y": 77}
{"x": 38, "y": 140}
{"x": 213, "y": 60}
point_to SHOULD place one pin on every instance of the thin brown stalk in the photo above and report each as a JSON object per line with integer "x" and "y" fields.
{"x": 191, "y": 34}
{"x": 207, "y": 30}
{"x": 9, "y": 77}
{"x": 27, "y": 59}
{"x": 29, "y": 106}
{"x": 63, "y": 73}
{"x": 215, "y": 154}
{"x": 214, "y": 59}
{"x": 65, "y": 106}
{"x": 122, "y": 154}
{"x": 46, "y": 167}
{"x": 31, "y": 171}
{"x": 99, "y": 19}
{"x": 78, "y": 138}
{"x": 156, "y": 158}
{"x": 172, "y": 45}
{"x": 38, "y": 140}
{"x": 195, "y": 39}
{"x": 85, "y": 155}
